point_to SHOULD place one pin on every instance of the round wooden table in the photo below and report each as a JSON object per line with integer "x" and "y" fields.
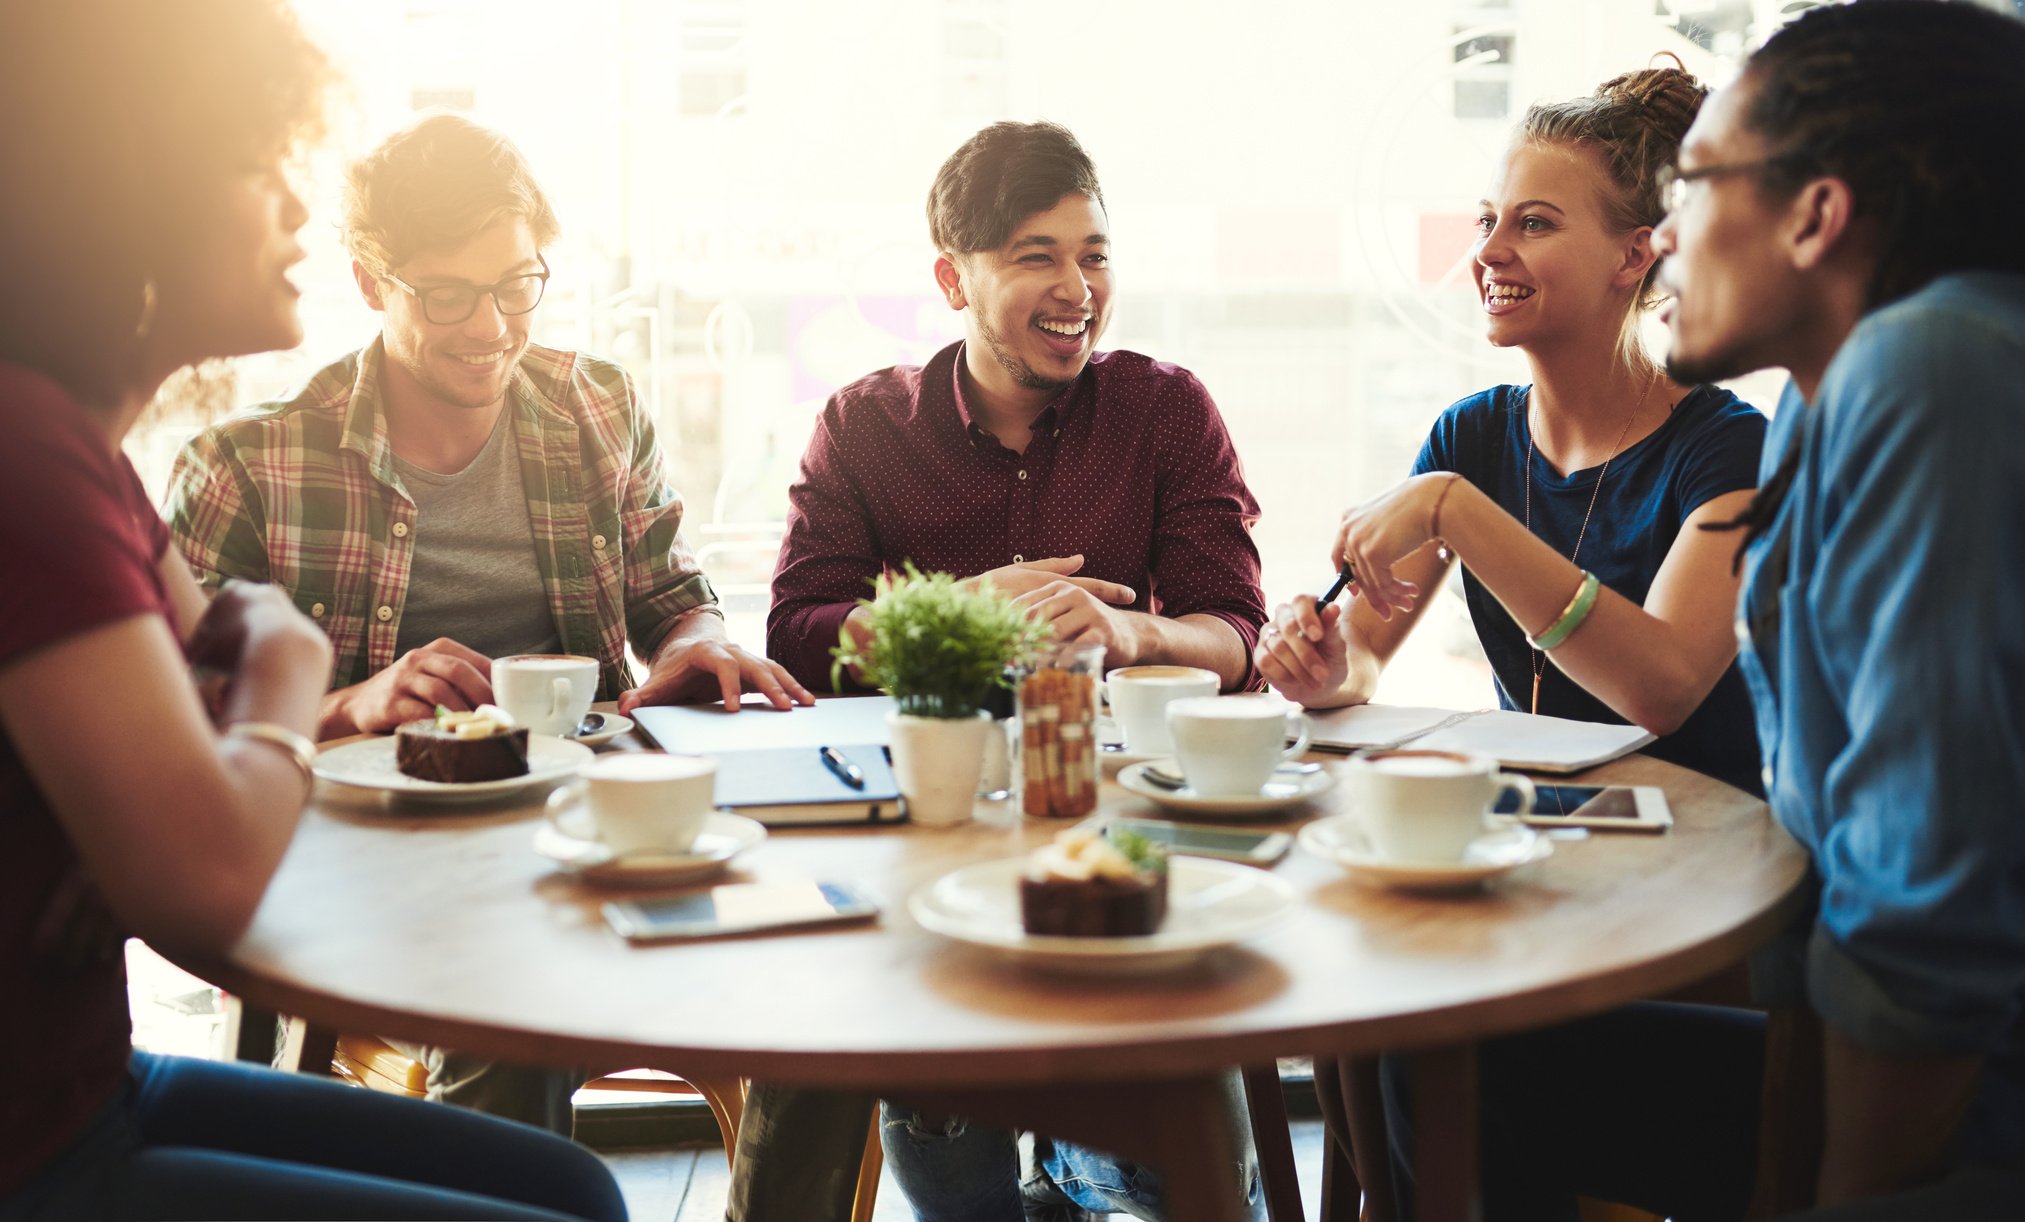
{"x": 441, "y": 924}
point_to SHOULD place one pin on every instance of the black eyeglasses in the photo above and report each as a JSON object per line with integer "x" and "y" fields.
{"x": 444, "y": 304}
{"x": 1674, "y": 182}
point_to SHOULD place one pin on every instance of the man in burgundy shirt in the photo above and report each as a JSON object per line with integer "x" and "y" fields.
{"x": 1102, "y": 491}
{"x": 1100, "y": 488}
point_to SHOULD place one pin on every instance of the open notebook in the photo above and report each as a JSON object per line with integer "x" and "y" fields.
{"x": 767, "y": 764}
{"x": 1517, "y": 740}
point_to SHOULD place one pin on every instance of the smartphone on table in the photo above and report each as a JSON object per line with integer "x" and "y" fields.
{"x": 1637, "y": 808}
{"x": 737, "y": 908}
{"x": 1224, "y": 844}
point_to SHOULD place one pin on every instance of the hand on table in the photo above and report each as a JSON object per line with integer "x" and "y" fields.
{"x": 710, "y": 666}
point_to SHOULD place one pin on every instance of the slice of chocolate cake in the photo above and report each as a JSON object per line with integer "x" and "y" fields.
{"x": 1083, "y": 886}
{"x": 458, "y": 748}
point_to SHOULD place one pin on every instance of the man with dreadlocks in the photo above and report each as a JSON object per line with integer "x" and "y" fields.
{"x": 1843, "y": 212}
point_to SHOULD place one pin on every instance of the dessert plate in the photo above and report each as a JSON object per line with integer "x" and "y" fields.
{"x": 370, "y": 765}
{"x": 1210, "y": 904}
{"x": 724, "y": 836}
{"x": 610, "y": 726}
{"x": 1282, "y": 791}
{"x": 1342, "y": 840}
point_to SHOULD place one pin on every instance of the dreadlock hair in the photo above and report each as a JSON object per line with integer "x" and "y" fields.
{"x": 1917, "y": 107}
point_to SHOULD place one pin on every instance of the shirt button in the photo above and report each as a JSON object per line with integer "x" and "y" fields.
{"x": 1023, "y": 473}
{"x": 1765, "y": 775}
{"x": 1019, "y": 559}
{"x": 400, "y": 530}
{"x": 316, "y": 611}
{"x": 1743, "y": 634}
{"x": 1056, "y": 433}
{"x": 598, "y": 542}
{"x": 384, "y": 614}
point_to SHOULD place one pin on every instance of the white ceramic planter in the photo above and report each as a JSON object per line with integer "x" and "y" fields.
{"x": 937, "y": 762}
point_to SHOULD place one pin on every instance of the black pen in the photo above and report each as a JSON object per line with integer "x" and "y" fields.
{"x": 847, "y": 772}
{"x": 1343, "y": 579}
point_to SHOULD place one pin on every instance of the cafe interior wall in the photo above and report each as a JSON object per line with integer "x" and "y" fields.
{"x": 1291, "y": 189}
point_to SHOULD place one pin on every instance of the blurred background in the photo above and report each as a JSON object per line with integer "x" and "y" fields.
{"x": 741, "y": 184}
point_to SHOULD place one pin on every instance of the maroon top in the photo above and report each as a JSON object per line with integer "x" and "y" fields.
{"x": 1130, "y": 466}
{"x": 80, "y": 547}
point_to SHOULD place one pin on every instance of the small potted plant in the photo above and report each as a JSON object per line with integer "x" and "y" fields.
{"x": 938, "y": 646}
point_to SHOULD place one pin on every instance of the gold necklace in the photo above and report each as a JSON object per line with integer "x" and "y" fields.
{"x": 1540, "y": 658}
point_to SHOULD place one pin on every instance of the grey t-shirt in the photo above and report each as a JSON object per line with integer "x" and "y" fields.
{"x": 473, "y": 577}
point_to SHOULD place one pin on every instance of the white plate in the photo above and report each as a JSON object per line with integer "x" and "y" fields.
{"x": 609, "y": 729}
{"x": 1209, "y": 904}
{"x": 1281, "y": 792}
{"x": 724, "y": 836}
{"x": 1342, "y": 840}
{"x": 370, "y": 765}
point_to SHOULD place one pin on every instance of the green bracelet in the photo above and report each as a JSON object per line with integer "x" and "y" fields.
{"x": 1577, "y": 610}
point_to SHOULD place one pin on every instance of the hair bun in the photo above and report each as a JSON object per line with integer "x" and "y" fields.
{"x": 1667, "y": 96}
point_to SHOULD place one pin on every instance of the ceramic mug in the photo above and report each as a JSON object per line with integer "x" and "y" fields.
{"x": 1228, "y": 746}
{"x": 638, "y": 801}
{"x": 1428, "y": 805}
{"x": 549, "y": 693}
{"x": 1139, "y": 697}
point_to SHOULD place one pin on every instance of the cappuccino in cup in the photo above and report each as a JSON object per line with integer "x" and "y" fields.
{"x": 1428, "y": 806}
{"x": 1228, "y": 746}
{"x": 549, "y": 693}
{"x": 1139, "y": 698}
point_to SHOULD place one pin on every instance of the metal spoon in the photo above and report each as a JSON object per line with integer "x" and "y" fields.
{"x": 1160, "y": 778}
{"x": 591, "y": 724}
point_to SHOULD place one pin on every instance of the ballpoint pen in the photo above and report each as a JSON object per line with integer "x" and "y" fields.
{"x": 847, "y": 772}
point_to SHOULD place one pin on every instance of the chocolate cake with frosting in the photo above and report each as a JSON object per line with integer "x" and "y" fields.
{"x": 1084, "y": 886}
{"x": 458, "y": 748}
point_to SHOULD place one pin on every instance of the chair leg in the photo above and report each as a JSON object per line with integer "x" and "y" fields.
{"x": 726, "y": 1097}
{"x": 308, "y": 1049}
{"x": 867, "y": 1197}
{"x": 1342, "y": 1194}
{"x": 249, "y": 1032}
{"x": 1370, "y": 1147}
{"x": 1268, "y": 1111}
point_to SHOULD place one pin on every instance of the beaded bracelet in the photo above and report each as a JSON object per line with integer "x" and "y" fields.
{"x": 1571, "y": 617}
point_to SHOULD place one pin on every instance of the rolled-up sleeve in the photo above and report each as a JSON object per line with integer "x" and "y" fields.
{"x": 1204, "y": 560}
{"x": 1919, "y": 945}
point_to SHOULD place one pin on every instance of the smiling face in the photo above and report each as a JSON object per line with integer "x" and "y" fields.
{"x": 1548, "y": 268}
{"x": 1035, "y": 307}
{"x": 464, "y": 365}
{"x": 1735, "y": 300}
{"x": 230, "y": 294}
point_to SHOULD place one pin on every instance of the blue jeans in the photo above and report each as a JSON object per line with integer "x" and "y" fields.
{"x": 200, "y": 1139}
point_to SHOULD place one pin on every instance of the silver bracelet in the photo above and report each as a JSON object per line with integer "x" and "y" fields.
{"x": 300, "y": 751}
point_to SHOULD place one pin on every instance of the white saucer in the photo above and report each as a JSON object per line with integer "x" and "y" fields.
{"x": 724, "y": 836}
{"x": 610, "y": 728}
{"x": 1280, "y": 792}
{"x": 370, "y": 764}
{"x": 1343, "y": 841}
{"x": 1209, "y": 904}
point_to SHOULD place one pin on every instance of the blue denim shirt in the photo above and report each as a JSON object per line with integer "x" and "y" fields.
{"x": 1883, "y": 616}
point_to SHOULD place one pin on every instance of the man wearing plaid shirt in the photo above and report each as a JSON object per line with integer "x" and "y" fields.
{"x": 452, "y": 493}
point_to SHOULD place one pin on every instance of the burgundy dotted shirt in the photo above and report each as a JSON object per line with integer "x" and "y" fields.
{"x": 1130, "y": 466}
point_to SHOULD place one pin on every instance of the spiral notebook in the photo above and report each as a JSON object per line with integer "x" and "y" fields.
{"x": 1516, "y": 740}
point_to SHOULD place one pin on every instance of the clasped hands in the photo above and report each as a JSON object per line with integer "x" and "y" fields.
{"x": 1077, "y": 610}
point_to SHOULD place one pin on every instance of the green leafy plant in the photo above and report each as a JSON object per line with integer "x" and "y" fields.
{"x": 937, "y": 645}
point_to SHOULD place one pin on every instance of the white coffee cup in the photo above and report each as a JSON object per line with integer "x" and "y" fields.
{"x": 549, "y": 693}
{"x": 1228, "y": 746}
{"x": 1428, "y": 805}
{"x": 640, "y": 801}
{"x": 1139, "y": 698}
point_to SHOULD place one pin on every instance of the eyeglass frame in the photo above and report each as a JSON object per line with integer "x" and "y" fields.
{"x": 1673, "y": 181}
{"x": 478, "y": 293}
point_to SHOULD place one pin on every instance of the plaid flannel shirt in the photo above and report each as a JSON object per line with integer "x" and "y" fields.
{"x": 303, "y": 493}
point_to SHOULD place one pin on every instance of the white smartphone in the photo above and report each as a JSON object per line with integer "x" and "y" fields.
{"x": 738, "y": 908}
{"x": 1636, "y": 808}
{"x": 1251, "y": 848}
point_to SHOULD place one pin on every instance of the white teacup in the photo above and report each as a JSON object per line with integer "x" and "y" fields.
{"x": 1428, "y": 805}
{"x": 640, "y": 801}
{"x": 1139, "y": 697}
{"x": 1228, "y": 746}
{"x": 549, "y": 693}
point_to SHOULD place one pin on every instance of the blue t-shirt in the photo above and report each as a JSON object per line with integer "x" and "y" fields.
{"x": 1709, "y": 446}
